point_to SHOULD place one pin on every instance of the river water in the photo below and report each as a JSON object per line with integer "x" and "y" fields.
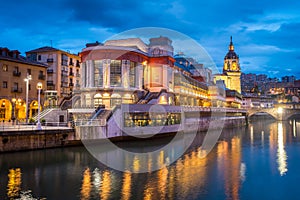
{"x": 259, "y": 161}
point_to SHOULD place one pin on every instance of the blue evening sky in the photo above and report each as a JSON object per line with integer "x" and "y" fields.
{"x": 266, "y": 34}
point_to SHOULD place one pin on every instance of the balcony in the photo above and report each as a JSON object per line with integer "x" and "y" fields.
{"x": 71, "y": 84}
{"x": 77, "y": 85}
{"x": 42, "y": 92}
{"x": 52, "y": 87}
{"x": 50, "y": 60}
{"x": 63, "y": 84}
{"x": 50, "y": 83}
{"x": 16, "y": 73}
{"x": 71, "y": 63}
{"x": 42, "y": 77}
{"x": 78, "y": 75}
{"x": 71, "y": 74}
{"x": 16, "y": 90}
{"x": 49, "y": 71}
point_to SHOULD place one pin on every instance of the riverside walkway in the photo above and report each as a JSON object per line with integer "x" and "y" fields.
{"x": 9, "y": 126}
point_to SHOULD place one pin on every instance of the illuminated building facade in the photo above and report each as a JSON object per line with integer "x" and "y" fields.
{"x": 63, "y": 73}
{"x": 14, "y": 68}
{"x": 130, "y": 71}
{"x": 231, "y": 77}
{"x": 231, "y": 70}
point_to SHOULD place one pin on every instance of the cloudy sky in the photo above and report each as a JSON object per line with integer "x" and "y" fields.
{"x": 266, "y": 34}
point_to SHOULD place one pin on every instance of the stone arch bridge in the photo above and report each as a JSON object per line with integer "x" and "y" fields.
{"x": 279, "y": 113}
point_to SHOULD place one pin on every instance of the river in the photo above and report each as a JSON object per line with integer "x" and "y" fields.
{"x": 259, "y": 161}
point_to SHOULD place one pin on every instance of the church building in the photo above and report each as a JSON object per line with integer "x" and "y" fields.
{"x": 231, "y": 70}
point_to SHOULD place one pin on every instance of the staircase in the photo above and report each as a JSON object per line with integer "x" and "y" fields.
{"x": 68, "y": 102}
{"x": 44, "y": 113}
{"x": 149, "y": 97}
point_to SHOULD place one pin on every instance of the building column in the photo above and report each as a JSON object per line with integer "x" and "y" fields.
{"x": 165, "y": 80}
{"x": 106, "y": 73}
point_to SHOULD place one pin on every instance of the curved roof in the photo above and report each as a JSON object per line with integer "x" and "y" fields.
{"x": 231, "y": 55}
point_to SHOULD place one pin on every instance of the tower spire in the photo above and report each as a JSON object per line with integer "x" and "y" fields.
{"x": 231, "y": 47}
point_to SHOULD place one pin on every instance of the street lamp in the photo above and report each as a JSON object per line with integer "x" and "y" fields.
{"x": 27, "y": 79}
{"x": 39, "y": 87}
{"x": 13, "y": 110}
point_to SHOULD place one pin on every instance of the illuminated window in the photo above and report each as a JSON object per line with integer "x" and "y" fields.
{"x": 115, "y": 73}
{"x": 132, "y": 74}
{"x": 116, "y": 99}
{"x": 98, "y": 73}
{"x": 98, "y": 100}
{"x": 5, "y": 68}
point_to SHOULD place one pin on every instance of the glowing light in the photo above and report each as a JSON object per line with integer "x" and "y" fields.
{"x": 105, "y": 186}
{"x": 86, "y": 184}
{"x": 14, "y": 183}
{"x": 280, "y": 110}
{"x": 126, "y": 186}
{"x": 281, "y": 154}
{"x": 136, "y": 164}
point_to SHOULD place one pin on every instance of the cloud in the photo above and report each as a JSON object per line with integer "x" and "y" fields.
{"x": 265, "y": 34}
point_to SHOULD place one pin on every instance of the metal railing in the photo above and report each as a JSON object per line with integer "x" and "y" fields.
{"x": 90, "y": 122}
{"x": 22, "y": 126}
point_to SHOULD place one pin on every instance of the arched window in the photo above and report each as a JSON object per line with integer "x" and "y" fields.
{"x": 116, "y": 99}
{"x": 127, "y": 98}
{"x": 98, "y": 100}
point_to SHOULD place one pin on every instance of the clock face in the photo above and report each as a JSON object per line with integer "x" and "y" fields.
{"x": 234, "y": 66}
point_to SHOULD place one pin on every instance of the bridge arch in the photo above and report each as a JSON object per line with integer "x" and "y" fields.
{"x": 270, "y": 111}
{"x": 290, "y": 115}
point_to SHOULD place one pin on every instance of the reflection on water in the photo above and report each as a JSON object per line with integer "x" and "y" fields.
{"x": 281, "y": 154}
{"x": 240, "y": 164}
{"x": 126, "y": 188}
{"x": 14, "y": 183}
{"x": 86, "y": 185}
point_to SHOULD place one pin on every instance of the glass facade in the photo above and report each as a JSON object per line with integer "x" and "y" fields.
{"x": 151, "y": 119}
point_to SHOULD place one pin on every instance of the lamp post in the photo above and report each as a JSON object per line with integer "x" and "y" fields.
{"x": 13, "y": 110}
{"x": 39, "y": 87}
{"x": 27, "y": 79}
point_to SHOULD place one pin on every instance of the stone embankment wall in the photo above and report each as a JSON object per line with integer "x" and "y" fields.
{"x": 114, "y": 128}
{"x": 33, "y": 139}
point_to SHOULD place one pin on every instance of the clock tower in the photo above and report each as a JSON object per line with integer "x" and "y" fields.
{"x": 232, "y": 69}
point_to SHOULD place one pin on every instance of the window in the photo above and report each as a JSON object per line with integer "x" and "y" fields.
{"x": 132, "y": 74}
{"x": 71, "y": 61}
{"x": 4, "y": 84}
{"x": 5, "y": 68}
{"x": 39, "y": 57}
{"x": 115, "y": 73}
{"x": 16, "y": 86}
{"x": 28, "y": 71}
{"x": 16, "y": 69}
{"x": 29, "y": 86}
{"x": 98, "y": 73}
{"x": 64, "y": 60}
